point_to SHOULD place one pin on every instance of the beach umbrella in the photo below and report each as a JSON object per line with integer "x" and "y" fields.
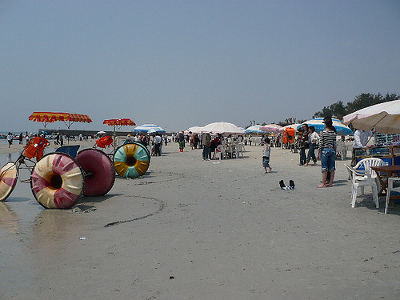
{"x": 385, "y": 117}
{"x": 194, "y": 129}
{"x": 319, "y": 126}
{"x": 119, "y": 122}
{"x": 223, "y": 127}
{"x": 271, "y": 128}
{"x": 254, "y": 129}
{"x": 67, "y": 118}
{"x": 146, "y": 127}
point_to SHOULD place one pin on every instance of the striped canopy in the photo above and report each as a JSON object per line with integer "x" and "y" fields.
{"x": 319, "y": 126}
{"x": 50, "y": 117}
{"x": 119, "y": 122}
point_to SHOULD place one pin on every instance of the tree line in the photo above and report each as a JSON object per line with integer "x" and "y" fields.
{"x": 339, "y": 109}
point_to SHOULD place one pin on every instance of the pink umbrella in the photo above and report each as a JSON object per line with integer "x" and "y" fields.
{"x": 271, "y": 128}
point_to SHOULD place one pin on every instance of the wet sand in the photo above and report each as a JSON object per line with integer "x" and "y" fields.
{"x": 193, "y": 229}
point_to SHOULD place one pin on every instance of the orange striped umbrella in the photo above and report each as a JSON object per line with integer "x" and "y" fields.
{"x": 119, "y": 122}
{"x": 67, "y": 118}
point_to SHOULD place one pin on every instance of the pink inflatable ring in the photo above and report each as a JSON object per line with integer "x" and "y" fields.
{"x": 99, "y": 172}
{"x": 57, "y": 181}
{"x": 8, "y": 180}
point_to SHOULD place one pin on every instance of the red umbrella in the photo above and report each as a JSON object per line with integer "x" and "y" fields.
{"x": 119, "y": 122}
{"x": 67, "y": 118}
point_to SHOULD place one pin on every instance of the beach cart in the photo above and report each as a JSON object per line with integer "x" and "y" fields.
{"x": 57, "y": 179}
{"x": 60, "y": 178}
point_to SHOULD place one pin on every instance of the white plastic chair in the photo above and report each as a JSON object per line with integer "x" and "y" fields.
{"x": 390, "y": 188}
{"x": 362, "y": 175}
{"x": 231, "y": 150}
{"x": 341, "y": 150}
{"x": 240, "y": 149}
{"x": 219, "y": 152}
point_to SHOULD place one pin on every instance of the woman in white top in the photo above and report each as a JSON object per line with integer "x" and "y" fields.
{"x": 9, "y": 139}
{"x": 313, "y": 140}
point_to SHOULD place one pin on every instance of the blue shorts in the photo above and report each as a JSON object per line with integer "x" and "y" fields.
{"x": 328, "y": 160}
{"x": 265, "y": 162}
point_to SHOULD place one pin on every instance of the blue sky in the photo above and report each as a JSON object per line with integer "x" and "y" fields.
{"x": 185, "y": 63}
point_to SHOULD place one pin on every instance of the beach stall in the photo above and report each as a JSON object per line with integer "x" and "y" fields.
{"x": 385, "y": 119}
{"x": 230, "y": 147}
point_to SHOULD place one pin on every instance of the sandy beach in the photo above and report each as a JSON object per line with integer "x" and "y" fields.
{"x": 193, "y": 229}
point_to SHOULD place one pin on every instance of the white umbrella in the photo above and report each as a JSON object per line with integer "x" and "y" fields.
{"x": 194, "y": 129}
{"x": 385, "y": 117}
{"x": 319, "y": 126}
{"x": 271, "y": 128}
{"x": 222, "y": 127}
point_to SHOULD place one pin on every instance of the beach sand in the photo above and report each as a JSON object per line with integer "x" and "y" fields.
{"x": 193, "y": 229}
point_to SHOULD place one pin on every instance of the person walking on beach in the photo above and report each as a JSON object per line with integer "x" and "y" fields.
{"x": 303, "y": 144}
{"x": 313, "y": 139}
{"x": 9, "y": 139}
{"x": 206, "y": 139}
{"x": 266, "y": 155}
{"x": 157, "y": 144}
{"x": 181, "y": 140}
{"x": 327, "y": 153}
{"x": 20, "y": 138}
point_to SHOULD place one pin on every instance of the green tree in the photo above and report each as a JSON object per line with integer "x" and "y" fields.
{"x": 339, "y": 110}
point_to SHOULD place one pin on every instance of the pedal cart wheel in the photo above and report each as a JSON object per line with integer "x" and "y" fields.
{"x": 57, "y": 181}
{"x": 8, "y": 180}
{"x": 131, "y": 160}
{"x": 99, "y": 172}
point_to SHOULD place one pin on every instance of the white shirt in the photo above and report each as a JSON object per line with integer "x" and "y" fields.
{"x": 361, "y": 138}
{"x": 157, "y": 139}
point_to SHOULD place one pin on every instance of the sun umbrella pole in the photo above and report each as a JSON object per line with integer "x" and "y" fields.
{"x": 115, "y": 138}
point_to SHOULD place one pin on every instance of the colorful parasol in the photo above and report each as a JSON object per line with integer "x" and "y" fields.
{"x": 67, "y": 118}
{"x": 119, "y": 122}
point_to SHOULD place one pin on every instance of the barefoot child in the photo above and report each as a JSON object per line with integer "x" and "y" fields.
{"x": 266, "y": 155}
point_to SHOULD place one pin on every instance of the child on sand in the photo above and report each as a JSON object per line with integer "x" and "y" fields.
{"x": 266, "y": 155}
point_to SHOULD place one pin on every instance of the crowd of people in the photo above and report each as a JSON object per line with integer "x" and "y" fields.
{"x": 308, "y": 142}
